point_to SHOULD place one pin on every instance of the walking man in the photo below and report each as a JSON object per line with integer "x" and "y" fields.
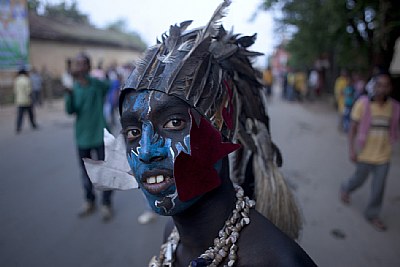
{"x": 36, "y": 81}
{"x": 85, "y": 101}
{"x": 23, "y": 99}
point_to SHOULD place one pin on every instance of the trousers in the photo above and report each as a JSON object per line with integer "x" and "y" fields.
{"x": 379, "y": 174}
{"x": 20, "y": 115}
{"x": 87, "y": 184}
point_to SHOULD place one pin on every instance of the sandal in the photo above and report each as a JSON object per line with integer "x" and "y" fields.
{"x": 378, "y": 224}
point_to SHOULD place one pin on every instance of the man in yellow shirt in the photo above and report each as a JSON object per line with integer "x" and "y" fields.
{"x": 373, "y": 129}
{"x": 268, "y": 80}
{"x": 300, "y": 84}
{"x": 23, "y": 100}
{"x": 340, "y": 84}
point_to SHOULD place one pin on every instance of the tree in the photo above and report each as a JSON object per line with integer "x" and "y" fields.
{"x": 352, "y": 32}
{"x": 120, "y": 25}
{"x": 61, "y": 10}
{"x": 34, "y": 5}
{"x": 66, "y": 11}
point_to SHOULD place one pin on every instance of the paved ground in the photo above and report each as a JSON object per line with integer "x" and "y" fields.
{"x": 316, "y": 161}
{"x": 40, "y": 193}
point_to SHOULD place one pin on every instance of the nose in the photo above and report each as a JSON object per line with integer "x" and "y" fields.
{"x": 152, "y": 146}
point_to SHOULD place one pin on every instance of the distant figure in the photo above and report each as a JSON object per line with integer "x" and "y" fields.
{"x": 349, "y": 93}
{"x": 85, "y": 101}
{"x": 300, "y": 84}
{"x": 66, "y": 79}
{"x": 23, "y": 100}
{"x": 290, "y": 86}
{"x": 340, "y": 84}
{"x": 268, "y": 81}
{"x": 359, "y": 85}
{"x": 99, "y": 72}
{"x": 374, "y": 128}
{"x": 47, "y": 85}
{"x": 369, "y": 87}
{"x": 112, "y": 97}
{"x": 36, "y": 81}
{"x": 312, "y": 84}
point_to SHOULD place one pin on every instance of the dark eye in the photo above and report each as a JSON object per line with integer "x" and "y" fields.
{"x": 132, "y": 134}
{"x": 175, "y": 124}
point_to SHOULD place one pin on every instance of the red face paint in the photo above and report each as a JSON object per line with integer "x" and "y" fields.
{"x": 195, "y": 174}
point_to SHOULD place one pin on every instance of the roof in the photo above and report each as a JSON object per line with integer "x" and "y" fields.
{"x": 45, "y": 28}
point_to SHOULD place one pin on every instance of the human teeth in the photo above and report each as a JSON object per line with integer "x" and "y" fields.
{"x": 160, "y": 178}
{"x": 151, "y": 180}
{"x": 155, "y": 179}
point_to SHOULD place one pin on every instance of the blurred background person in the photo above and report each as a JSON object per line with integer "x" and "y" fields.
{"x": 300, "y": 84}
{"x": 48, "y": 84}
{"x": 290, "y": 85}
{"x": 340, "y": 84}
{"x": 268, "y": 81}
{"x": 374, "y": 129}
{"x": 111, "y": 101}
{"x": 312, "y": 84}
{"x": 359, "y": 85}
{"x": 36, "y": 81}
{"x": 66, "y": 79}
{"x": 98, "y": 72}
{"x": 85, "y": 101}
{"x": 23, "y": 99}
{"x": 349, "y": 98}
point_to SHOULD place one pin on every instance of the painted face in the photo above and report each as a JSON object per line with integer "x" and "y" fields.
{"x": 156, "y": 128}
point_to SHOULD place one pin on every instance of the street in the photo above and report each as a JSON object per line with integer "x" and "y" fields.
{"x": 41, "y": 193}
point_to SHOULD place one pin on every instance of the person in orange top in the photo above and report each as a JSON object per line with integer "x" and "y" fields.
{"x": 268, "y": 81}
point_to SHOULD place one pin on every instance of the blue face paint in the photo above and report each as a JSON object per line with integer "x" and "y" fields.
{"x": 164, "y": 125}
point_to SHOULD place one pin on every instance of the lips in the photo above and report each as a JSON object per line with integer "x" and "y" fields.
{"x": 156, "y": 181}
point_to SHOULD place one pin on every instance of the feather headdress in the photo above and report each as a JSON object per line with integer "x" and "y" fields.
{"x": 210, "y": 69}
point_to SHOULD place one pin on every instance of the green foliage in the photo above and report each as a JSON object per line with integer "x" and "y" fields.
{"x": 64, "y": 10}
{"x": 61, "y": 11}
{"x": 68, "y": 11}
{"x": 351, "y": 32}
{"x": 119, "y": 25}
{"x": 34, "y": 5}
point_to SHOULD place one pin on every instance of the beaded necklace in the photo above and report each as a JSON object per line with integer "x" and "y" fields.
{"x": 224, "y": 244}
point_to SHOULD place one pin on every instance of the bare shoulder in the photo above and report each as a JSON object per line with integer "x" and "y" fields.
{"x": 263, "y": 244}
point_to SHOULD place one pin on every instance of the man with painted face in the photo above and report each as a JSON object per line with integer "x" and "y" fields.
{"x": 193, "y": 99}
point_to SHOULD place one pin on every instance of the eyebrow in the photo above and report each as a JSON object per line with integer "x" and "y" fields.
{"x": 128, "y": 117}
{"x": 172, "y": 103}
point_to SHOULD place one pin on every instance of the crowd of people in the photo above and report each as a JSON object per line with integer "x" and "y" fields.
{"x": 370, "y": 117}
{"x": 299, "y": 85}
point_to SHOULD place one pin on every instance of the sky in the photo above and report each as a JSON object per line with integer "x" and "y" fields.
{"x": 151, "y": 18}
